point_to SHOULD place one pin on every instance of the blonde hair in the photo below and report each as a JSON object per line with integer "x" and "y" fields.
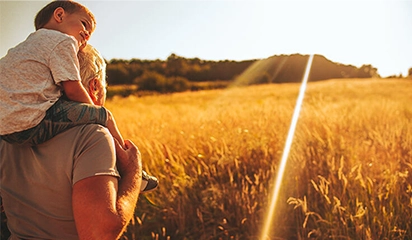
{"x": 92, "y": 66}
{"x": 44, "y": 15}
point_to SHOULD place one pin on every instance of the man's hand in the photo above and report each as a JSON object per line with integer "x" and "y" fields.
{"x": 128, "y": 158}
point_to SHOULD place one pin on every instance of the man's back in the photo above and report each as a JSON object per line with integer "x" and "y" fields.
{"x": 36, "y": 182}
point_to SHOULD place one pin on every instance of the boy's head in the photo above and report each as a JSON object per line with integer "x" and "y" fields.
{"x": 68, "y": 17}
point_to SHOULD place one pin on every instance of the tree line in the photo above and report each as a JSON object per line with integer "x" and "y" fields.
{"x": 177, "y": 73}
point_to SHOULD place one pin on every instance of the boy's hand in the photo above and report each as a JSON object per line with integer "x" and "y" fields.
{"x": 85, "y": 37}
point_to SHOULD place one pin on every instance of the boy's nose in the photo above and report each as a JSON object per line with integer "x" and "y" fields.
{"x": 86, "y": 35}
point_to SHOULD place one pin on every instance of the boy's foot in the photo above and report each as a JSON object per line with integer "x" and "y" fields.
{"x": 149, "y": 183}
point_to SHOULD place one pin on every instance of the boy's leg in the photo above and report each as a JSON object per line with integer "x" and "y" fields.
{"x": 60, "y": 117}
{"x": 22, "y": 137}
{"x": 75, "y": 113}
{"x": 112, "y": 126}
{"x": 65, "y": 114}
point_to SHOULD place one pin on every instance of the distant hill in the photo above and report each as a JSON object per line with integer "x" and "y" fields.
{"x": 290, "y": 68}
{"x": 275, "y": 69}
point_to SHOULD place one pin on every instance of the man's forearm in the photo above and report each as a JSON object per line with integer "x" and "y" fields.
{"x": 128, "y": 193}
{"x": 129, "y": 164}
{"x": 104, "y": 205}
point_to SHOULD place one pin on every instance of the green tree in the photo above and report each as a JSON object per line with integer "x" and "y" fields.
{"x": 118, "y": 74}
{"x": 176, "y": 66}
{"x": 150, "y": 81}
{"x": 153, "y": 81}
{"x": 177, "y": 84}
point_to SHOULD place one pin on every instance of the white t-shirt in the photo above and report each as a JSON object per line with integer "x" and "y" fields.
{"x": 36, "y": 182}
{"x": 30, "y": 77}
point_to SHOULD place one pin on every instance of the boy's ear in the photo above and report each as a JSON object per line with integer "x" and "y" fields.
{"x": 58, "y": 14}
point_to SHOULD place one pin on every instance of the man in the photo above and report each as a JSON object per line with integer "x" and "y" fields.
{"x": 70, "y": 187}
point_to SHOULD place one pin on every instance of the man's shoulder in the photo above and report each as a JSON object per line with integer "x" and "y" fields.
{"x": 88, "y": 130}
{"x": 77, "y": 135}
{"x": 78, "y": 140}
{"x": 84, "y": 135}
{"x": 93, "y": 129}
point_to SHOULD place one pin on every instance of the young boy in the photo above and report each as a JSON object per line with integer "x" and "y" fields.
{"x": 36, "y": 73}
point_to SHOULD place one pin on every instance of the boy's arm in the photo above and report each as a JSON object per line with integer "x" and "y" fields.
{"x": 75, "y": 91}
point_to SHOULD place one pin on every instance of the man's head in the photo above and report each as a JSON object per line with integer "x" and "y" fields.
{"x": 93, "y": 74}
{"x": 68, "y": 17}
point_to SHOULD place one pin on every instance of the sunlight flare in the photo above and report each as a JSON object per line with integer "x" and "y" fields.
{"x": 286, "y": 150}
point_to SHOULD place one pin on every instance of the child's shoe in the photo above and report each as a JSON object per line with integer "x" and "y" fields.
{"x": 149, "y": 183}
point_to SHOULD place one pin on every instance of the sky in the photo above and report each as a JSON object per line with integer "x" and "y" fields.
{"x": 355, "y": 32}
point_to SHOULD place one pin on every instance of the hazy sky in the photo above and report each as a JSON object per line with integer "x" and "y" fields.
{"x": 346, "y": 31}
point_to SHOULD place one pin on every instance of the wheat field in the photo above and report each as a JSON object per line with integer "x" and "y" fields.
{"x": 216, "y": 154}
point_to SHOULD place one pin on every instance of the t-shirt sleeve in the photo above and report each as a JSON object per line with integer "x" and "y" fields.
{"x": 63, "y": 61}
{"x": 95, "y": 154}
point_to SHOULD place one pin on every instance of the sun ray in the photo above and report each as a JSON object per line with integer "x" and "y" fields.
{"x": 286, "y": 150}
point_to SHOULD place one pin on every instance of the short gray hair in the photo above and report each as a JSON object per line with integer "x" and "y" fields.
{"x": 92, "y": 65}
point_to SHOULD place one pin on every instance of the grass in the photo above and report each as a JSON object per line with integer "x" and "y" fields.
{"x": 216, "y": 153}
{"x": 127, "y": 90}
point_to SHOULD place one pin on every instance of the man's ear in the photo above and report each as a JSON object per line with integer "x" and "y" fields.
{"x": 92, "y": 86}
{"x": 58, "y": 14}
{"x": 91, "y": 89}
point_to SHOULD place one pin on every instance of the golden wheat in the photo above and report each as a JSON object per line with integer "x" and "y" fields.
{"x": 216, "y": 152}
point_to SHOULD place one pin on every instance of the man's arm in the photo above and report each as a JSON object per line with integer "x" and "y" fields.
{"x": 103, "y": 205}
{"x": 75, "y": 91}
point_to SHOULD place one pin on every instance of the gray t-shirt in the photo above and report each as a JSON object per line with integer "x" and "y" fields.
{"x": 36, "y": 182}
{"x": 30, "y": 77}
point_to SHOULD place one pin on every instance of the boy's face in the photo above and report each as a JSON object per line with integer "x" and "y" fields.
{"x": 79, "y": 25}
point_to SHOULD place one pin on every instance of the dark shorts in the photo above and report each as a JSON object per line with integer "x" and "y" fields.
{"x": 61, "y": 116}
